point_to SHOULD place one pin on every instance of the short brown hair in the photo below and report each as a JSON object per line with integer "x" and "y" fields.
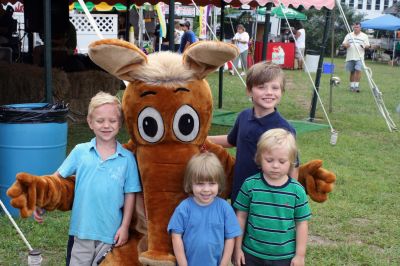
{"x": 204, "y": 167}
{"x": 264, "y": 72}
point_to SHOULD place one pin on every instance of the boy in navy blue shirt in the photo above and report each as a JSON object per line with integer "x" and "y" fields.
{"x": 265, "y": 84}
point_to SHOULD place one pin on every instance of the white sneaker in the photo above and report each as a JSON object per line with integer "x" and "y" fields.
{"x": 243, "y": 74}
{"x": 231, "y": 72}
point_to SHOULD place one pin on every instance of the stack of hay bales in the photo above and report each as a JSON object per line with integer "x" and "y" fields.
{"x": 24, "y": 83}
{"x": 84, "y": 85}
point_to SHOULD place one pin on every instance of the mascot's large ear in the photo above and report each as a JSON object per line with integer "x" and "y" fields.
{"x": 206, "y": 56}
{"x": 117, "y": 57}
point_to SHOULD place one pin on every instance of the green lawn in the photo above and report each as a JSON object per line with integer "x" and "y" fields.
{"x": 358, "y": 225}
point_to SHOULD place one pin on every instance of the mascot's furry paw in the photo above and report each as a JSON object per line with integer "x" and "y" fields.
{"x": 317, "y": 181}
{"x": 154, "y": 258}
{"x": 48, "y": 192}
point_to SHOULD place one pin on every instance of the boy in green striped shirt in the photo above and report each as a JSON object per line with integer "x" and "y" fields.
{"x": 272, "y": 208}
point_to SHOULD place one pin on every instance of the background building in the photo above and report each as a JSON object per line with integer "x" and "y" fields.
{"x": 370, "y": 8}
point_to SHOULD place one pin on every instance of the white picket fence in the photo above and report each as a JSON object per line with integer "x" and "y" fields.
{"x": 85, "y": 34}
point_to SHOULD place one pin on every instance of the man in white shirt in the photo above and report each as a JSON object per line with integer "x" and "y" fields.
{"x": 300, "y": 45}
{"x": 355, "y": 42}
{"x": 241, "y": 39}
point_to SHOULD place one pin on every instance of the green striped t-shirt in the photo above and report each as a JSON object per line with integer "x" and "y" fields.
{"x": 272, "y": 215}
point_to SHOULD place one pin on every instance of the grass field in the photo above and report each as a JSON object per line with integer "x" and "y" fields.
{"x": 358, "y": 225}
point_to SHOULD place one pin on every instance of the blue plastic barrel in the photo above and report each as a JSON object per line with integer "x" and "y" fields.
{"x": 33, "y": 146}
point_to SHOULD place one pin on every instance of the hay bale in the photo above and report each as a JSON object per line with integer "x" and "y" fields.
{"x": 84, "y": 85}
{"x": 23, "y": 83}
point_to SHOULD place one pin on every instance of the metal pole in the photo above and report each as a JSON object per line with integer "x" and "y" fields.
{"x": 332, "y": 55}
{"x": 221, "y": 69}
{"x": 319, "y": 70}
{"x": 266, "y": 31}
{"x": 127, "y": 24}
{"x": 171, "y": 25}
{"x": 47, "y": 51}
{"x": 141, "y": 27}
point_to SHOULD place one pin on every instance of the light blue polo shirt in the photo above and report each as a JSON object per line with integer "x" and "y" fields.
{"x": 99, "y": 190}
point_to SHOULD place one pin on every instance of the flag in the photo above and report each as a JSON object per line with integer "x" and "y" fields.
{"x": 203, "y": 16}
{"x": 160, "y": 8}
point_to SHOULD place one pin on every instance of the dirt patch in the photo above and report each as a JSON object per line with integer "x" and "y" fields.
{"x": 318, "y": 240}
{"x": 360, "y": 221}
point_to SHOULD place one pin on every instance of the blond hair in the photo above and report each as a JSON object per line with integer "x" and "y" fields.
{"x": 204, "y": 167}
{"x": 103, "y": 98}
{"x": 263, "y": 72}
{"x": 274, "y": 138}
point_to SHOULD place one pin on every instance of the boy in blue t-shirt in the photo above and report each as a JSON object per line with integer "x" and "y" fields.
{"x": 265, "y": 84}
{"x": 105, "y": 185}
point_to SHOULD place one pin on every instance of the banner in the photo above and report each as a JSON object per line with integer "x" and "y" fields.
{"x": 203, "y": 20}
{"x": 160, "y": 8}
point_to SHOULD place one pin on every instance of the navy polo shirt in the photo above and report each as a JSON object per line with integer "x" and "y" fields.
{"x": 244, "y": 135}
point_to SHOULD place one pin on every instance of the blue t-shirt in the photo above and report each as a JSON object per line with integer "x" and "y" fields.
{"x": 204, "y": 229}
{"x": 244, "y": 135}
{"x": 99, "y": 190}
{"x": 188, "y": 36}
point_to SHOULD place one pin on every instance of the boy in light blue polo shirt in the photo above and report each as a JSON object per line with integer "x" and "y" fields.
{"x": 106, "y": 180}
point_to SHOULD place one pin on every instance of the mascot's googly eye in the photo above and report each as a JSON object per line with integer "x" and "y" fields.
{"x": 186, "y": 123}
{"x": 150, "y": 124}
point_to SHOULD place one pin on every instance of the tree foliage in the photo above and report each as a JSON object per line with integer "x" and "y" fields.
{"x": 314, "y": 27}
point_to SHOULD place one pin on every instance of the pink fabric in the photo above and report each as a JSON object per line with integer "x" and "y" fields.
{"x": 307, "y": 4}
{"x": 318, "y": 4}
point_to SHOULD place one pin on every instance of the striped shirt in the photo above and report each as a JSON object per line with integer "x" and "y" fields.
{"x": 272, "y": 215}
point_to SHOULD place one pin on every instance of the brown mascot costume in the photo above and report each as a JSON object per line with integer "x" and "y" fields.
{"x": 168, "y": 110}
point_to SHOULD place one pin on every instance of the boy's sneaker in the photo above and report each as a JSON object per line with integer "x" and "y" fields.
{"x": 356, "y": 89}
{"x": 231, "y": 72}
{"x": 352, "y": 89}
{"x": 243, "y": 74}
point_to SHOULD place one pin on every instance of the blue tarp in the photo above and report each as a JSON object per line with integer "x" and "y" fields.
{"x": 386, "y": 22}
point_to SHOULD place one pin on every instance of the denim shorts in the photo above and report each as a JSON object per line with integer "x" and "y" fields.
{"x": 353, "y": 65}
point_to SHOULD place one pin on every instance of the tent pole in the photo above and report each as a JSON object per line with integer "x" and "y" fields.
{"x": 171, "y": 25}
{"x": 394, "y": 47}
{"x": 127, "y": 28}
{"x": 47, "y": 50}
{"x": 321, "y": 60}
{"x": 332, "y": 55}
{"x": 221, "y": 69}
{"x": 266, "y": 31}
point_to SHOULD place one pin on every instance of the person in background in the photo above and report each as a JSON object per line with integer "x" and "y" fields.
{"x": 265, "y": 85}
{"x": 106, "y": 182}
{"x": 241, "y": 40}
{"x": 164, "y": 41}
{"x": 188, "y": 36}
{"x": 203, "y": 226}
{"x": 177, "y": 36}
{"x": 272, "y": 207}
{"x": 8, "y": 26}
{"x": 355, "y": 42}
{"x": 300, "y": 44}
